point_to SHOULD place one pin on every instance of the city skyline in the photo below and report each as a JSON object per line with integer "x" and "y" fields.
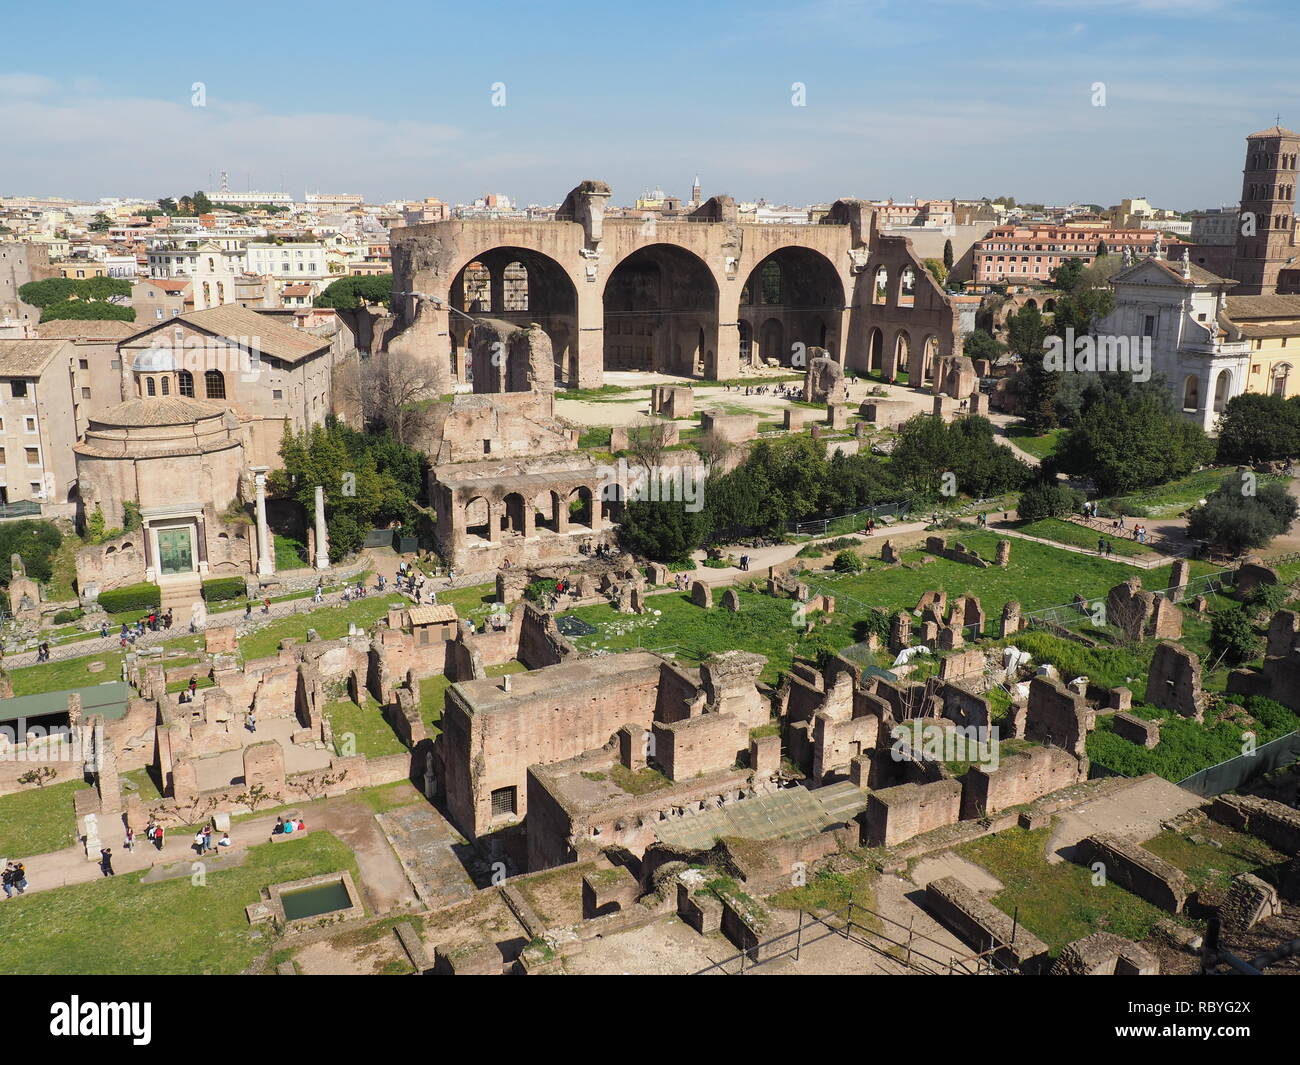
{"x": 896, "y": 101}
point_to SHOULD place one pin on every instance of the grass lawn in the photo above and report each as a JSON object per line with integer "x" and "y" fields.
{"x": 1211, "y": 866}
{"x": 1066, "y": 532}
{"x": 371, "y": 733}
{"x": 69, "y": 673}
{"x": 1038, "y": 576}
{"x": 474, "y": 602}
{"x": 121, "y": 926}
{"x": 1166, "y": 500}
{"x": 38, "y": 820}
{"x": 330, "y": 622}
{"x": 145, "y": 785}
{"x": 1038, "y": 446}
{"x": 1059, "y": 902}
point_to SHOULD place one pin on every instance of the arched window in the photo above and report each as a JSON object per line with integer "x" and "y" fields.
{"x": 1281, "y": 373}
{"x": 907, "y": 288}
{"x": 881, "y": 292}
{"x": 1192, "y": 393}
{"x": 771, "y": 282}
{"x": 185, "y": 383}
{"x": 166, "y": 386}
{"x": 148, "y": 386}
{"x": 214, "y": 384}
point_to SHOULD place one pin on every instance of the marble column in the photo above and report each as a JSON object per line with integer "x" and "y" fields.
{"x": 265, "y": 557}
{"x": 322, "y": 534}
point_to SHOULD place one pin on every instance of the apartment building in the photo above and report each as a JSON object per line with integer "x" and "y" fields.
{"x": 1029, "y": 253}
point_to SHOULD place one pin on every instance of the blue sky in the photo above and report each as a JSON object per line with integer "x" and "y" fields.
{"x": 394, "y": 99}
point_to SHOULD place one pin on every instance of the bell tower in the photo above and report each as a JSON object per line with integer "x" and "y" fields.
{"x": 1267, "y": 259}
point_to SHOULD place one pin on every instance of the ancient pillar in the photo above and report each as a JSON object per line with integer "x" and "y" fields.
{"x": 265, "y": 559}
{"x": 322, "y": 535}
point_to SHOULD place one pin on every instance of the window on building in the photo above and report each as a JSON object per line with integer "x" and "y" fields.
{"x": 85, "y": 393}
{"x": 83, "y": 364}
{"x": 19, "y": 389}
{"x": 277, "y": 393}
{"x": 166, "y": 386}
{"x": 214, "y": 384}
{"x": 1149, "y": 325}
{"x": 33, "y": 456}
{"x": 504, "y": 802}
{"x": 2, "y": 456}
{"x": 36, "y": 488}
{"x": 150, "y": 388}
{"x": 29, "y": 424}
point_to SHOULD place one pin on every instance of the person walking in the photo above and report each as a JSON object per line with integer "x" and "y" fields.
{"x": 106, "y": 862}
{"x": 20, "y": 878}
{"x": 194, "y": 684}
{"x": 129, "y": 842}
{"x": 198, "y": 843}
{"x": 158, "y": 837}
{"x": 207, "y": 839}
{"x": 7, "y": 880}
{"x": 266, "y": 604}
{"x": 252, "y": 722}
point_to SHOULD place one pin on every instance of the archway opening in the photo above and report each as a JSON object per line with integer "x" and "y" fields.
{"x": 661, "y": 313}
{"x": 800, "y": 289}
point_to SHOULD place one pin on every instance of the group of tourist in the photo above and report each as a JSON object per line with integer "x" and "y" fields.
{"x": 128, "y": 634}
{"x": 14, "y": 879}
{"x": 285, "y": 827}
{"x": 601, "y": 550}
{"x": 203, "y": 841}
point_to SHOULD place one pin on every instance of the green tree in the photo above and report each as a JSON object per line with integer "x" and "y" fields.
{"x": 923, "y": 453}
{"x": 662, "y": 530}
{"x": 100, "y": 222}
{"x": 1242, "y": 515}
{"x": 1066, "y": 276}
{"x": 200, "y": 203}
{"x": 346, "y": 293}
{"x": 1258, "y": 428}
{"x": 35, "y": 542}
{"x": 87, "y": 310}
{"x": 1233, "y": 639}
{"x": 981, "y": 344}
{"x": 937, "y": 270}
{"x": 1037, "y": 384}
{"x": 1047, "y": 499}
{"x": 847, "y": 562}
{"x": 167, "y": 205}
{"x": 947, "y": 256}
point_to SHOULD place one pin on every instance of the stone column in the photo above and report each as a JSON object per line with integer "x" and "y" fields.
{"x": 265, "y": 557}
{"x": 322, "y": 534}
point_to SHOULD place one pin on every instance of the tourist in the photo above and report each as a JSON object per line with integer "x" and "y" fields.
{"x": 278, "y": 830}
{"x": 198, "y": 844}
{"x": 129, "y": 843}
{"x": 207, "y": 838}
{"x": 167, "y": 619}
{"x": 193, "y": 687}
{"x": 316, "y": 596}
{"x": 106, "y": 862}
{"x": 103, "y": 631}
{"x": 252, "y": 722}
{"x": 7, "y": 880}
{"x": 287, "y": 827}
{"x": 224, "y": 841}
{"x": 248, "y": 609}
{"x": 302, "y": 827}
{"x": 266, "y": 604}
{"x": 158, "y": 837}
{"x": 20, "y": 878}
{"x": 1101, "y": 545}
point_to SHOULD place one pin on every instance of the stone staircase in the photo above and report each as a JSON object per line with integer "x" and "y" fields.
{"x": 178, "y": 593}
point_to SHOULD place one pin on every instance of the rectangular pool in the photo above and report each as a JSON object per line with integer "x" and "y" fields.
{"x": 316, "y": 900}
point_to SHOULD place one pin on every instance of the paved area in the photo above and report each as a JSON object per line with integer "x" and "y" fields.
{"x": 1135, "y": 811}
{"x": 429, "y": 851}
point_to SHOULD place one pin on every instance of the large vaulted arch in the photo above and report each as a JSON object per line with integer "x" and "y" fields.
{"x": 661, "y": 313}
{"x": 515, "y": 285}
{"x": 800, "y": 289}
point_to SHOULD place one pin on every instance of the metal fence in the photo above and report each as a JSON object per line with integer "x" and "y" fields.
{"x": 1232, "y": 774}
{"x": 819, "y": 526}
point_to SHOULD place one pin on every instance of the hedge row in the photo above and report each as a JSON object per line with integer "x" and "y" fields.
{"x": 220, "y": 589}
{"x": 144, "y": 596}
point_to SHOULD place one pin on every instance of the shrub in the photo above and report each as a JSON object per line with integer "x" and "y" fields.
{"x": 540, "y": 589}
{"x": 64, "y": 616}
{"x": 143, "y": 596}
{"x": 1045, "y": 500}
{"x": 847, "y": 562}
{"x": 219, "y": 589}
{"x": 1232, "y": 637}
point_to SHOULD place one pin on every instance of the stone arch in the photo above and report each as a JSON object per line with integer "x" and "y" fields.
{"x": 876, "y": 350}
{"x": 907, "y": 287}
{"x": 1222, "y": 390}
{"x": 929, "y": 358}
{"x": 518, "y": 285}
{"x": 1192, "y": 392}
{"x": 514, "y": 514}
{"x": 900, "y": 354}
{"x": 880, "y": 287}
{"x": 478, "y": 518}
{"x": 657, "y": 300}
{"x": 1049, "y": 306}
{"x": 801, "y": 288}
{"x": 579, "y": 503}
{"x": 771, "y": 343}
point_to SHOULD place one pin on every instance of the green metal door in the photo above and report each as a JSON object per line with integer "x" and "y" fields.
{"x": 174, "y": 551}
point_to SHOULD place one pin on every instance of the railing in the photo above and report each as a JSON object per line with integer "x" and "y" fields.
{"x": 818, "y": 526}
{"x": 813, "y": 928}
{"x": 24, "y": 508}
